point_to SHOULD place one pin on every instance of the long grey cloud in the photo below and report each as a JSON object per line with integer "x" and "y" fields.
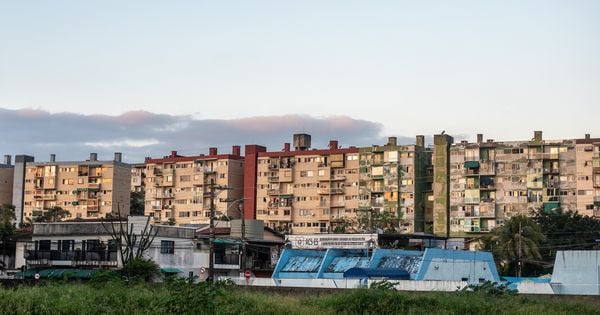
{"x": 139, "y": 133}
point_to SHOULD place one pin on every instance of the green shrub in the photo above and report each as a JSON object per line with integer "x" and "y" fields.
{"x": 140, "y": 269}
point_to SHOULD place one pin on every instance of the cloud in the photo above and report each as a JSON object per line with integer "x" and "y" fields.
{"x": 140, "y": 133}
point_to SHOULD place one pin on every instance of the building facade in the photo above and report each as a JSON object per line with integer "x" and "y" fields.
{"x": 6, "y": 180}
{"x": 178, "y": 187}
{"x": 396, "y": 179}
{"x": 304, "y": 190}
{"x": 87, "y": 189}
{"x": 138, "y": 175}
{"x": 479, "y": 185}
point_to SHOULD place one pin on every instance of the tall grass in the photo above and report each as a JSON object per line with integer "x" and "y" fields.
{"x": 183, "y": 298}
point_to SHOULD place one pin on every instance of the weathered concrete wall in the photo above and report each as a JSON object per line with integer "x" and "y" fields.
{"x": 402, "y": 285}
{"x": 72, "y": 228}
{"x": 576, "y": 272}
{"x": 534, "y": 288}
{"x": 6, "y": 184}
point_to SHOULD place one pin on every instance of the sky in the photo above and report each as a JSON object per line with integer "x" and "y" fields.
{"x": 138, "y": 76}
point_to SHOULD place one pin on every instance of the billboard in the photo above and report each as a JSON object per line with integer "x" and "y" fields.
{"x": 317, "y": 241}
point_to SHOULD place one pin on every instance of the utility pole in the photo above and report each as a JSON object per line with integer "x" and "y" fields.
{"x": 243, "y": 239}
{"x": 243, "y": 236}
{"x": 211, "y": 252}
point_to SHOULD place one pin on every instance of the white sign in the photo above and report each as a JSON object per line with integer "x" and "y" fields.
{"x": 202, "y": 270}
{"x": 315, "y": 241}
{"x": 37, "y": 276}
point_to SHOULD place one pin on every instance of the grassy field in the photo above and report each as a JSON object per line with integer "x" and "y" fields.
{"x": 181, "y": 298}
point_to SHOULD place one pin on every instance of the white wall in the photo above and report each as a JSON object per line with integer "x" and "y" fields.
{"x": 185, "y": 257}
{"x": 576, "y": 272}
{"x": 455, "y": 270}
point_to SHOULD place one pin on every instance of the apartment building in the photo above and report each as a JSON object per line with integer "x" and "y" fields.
{"x": 87, "y": 189}
{"x": 302, "y": 191}
{"x": 397, "y": 179}
{"x": 6, "y": 180}
{"x": 588, "y": 175}
{"x": 178, "y": 187}
{"x": 138, "y": 174}
{"x": 478, "y": 185}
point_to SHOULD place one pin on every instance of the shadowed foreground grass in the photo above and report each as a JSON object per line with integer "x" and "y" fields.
{"x": 118, "y": 298}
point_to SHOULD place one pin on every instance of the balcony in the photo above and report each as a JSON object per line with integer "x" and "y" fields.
{"x": 227, "y": 261}
{"x": 487, "y": 186}
{"x": 472, "y": 172}
{"x": 273, "y": 192}
{"x": 163, "y": 183}
{"x": 168, "y": 207}
{"x": 331, "y": 191}
{"x": 472, "y": 200}
{"x": 377, "y": 189}
{"x": 165, "y": 196}
{"x": 487, "y": 168}
{"x": 551, "y": 171}
{"x": 92, "y": 208}
{"x": 49, "y": 197}
{"x": 325, "y": 178}
{"x": 96, "y": 258}
{"x": 273, "y": 179}
{"x": 550, "y": 156}
{"x": 93, "y": 185}
{"x": 273, "y": 166}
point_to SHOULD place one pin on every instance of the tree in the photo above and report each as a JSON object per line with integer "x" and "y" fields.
{"x": 371, "y": 221}
{"x": 131, "y": 247}
{"x": 566, "y": 230}
{"x": 54, "y": 214}
{"x": 137, "y": 202}
{"x": 7, "y": 228}
{"x": 7, "y": 215}
{"x": 516, "y": 243}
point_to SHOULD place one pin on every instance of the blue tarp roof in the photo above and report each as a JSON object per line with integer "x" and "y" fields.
{"x": 398, "y": 274}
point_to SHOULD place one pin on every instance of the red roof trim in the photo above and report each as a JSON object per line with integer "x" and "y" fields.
{"x": 587, "y": 141}
{"x": 308, "y": 152}
{"x": 194, "y": 158}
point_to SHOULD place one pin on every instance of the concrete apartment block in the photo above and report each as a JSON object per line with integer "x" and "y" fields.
{"x": 394, "y": 178}
{"x": 177, "y": 187}
{"x": 6, "y": 180}
{"x": 490, "y": 181}
{"x": 87, "y": 189}
{"x": 304, "y": 191}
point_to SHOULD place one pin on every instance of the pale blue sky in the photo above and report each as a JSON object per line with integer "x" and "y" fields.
{"x": 502, "y": 68}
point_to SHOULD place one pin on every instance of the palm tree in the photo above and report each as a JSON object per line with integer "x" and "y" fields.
{"x": 516, "y": 242}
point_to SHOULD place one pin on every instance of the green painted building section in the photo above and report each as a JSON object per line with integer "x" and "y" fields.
{"x": 441, "y": 184}
{"x": 393, "y": 178}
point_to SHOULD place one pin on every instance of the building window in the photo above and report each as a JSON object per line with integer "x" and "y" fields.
{"x": 167, "y": 247}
